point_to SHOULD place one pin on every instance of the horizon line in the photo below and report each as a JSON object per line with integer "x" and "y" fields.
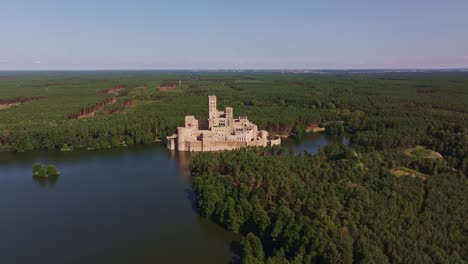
{"x": 244, "y": 69}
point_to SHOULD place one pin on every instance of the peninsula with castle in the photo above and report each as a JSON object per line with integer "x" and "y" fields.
{"x": 221, "y": 131}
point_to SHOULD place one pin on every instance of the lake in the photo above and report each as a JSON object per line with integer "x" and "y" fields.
{"x": 120, "y": 205}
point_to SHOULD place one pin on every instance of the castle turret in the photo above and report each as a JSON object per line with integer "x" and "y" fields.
{"x": 181, "y": 138}
{"x": 171, "y": 141}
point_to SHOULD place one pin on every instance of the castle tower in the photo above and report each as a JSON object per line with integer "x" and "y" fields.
{"x": 229, "y": 116}
{"x": 181, "y": 138}
{"x": 212, "y": 111}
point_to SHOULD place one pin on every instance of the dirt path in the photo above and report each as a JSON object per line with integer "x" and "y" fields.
{"x": 5, "y": 106}
{"x": 314, "y": 128}
{"x": 7, "y": 103}
{"x": 114, "y": 90}
{"x": 91, "y": 110}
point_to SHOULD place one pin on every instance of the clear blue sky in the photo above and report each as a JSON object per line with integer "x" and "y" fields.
{"x": 104, "y": 34}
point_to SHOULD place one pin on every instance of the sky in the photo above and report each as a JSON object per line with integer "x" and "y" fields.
{"x": 242, "y": 34}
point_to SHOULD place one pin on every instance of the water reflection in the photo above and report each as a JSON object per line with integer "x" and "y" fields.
{"x": 183, "y": 162}
{"x": 313, "y": 142}
{"x": 191, "y": 197}
{"x": 45, "y": 181}
{"x": 115, "y": 205}
{"x": 119, "y": 205}
{"x": 309, "y": 142}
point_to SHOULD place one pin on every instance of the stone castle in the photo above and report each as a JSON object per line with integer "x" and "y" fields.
{"x": 220, "y": 132}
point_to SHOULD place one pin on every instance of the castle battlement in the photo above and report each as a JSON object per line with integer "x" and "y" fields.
{"x": 221, "y": 131}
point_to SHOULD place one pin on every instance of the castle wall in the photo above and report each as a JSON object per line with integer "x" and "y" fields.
{"x": 191, "y": 122}
{"x": 171, "y": 144}
{"x": 275, "y": 142}
{"x": 214, "y": 145}
{"x": 193, "y": 146}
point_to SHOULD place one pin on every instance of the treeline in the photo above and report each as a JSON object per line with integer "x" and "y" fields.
{"x": 124, "y": 132}
{"x": 339, "y": 206}
{"x": 391, "y": 129}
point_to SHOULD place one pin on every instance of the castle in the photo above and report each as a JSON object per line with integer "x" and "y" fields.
{"x": 220, "y": 132}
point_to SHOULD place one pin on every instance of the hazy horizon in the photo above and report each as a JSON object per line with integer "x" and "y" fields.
{"x": 242, "y": 35}
{"x": 245, "y": 70}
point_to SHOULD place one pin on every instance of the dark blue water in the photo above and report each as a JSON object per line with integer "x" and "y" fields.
{"x": 123, "y": 205}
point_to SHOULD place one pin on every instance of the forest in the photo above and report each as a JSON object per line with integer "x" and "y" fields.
{"x": 339, "y": 206}
{"x": 380, "y": 111}
{"x": 395, "y": 194}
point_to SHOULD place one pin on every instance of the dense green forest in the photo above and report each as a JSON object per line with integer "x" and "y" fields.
{"x": 139, "y": 113}
{"x": 339, "y": 206}
{"x": 380, "y": 110}
{"x": 395, "y": 194}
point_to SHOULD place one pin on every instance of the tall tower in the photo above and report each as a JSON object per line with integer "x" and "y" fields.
{"x": 212, "y": 111}
{"x": 229, "y": 116}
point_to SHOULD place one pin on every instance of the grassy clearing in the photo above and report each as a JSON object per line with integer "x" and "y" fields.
{"x": 352, "y": 185}
{"x": 407, "y": 172}
{"x": 422, "y": 152}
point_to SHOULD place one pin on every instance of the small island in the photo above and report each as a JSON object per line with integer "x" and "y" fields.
{"x": 43, "y": 171}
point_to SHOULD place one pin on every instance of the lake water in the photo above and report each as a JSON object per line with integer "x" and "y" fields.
{"x": 122, "y": 205}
